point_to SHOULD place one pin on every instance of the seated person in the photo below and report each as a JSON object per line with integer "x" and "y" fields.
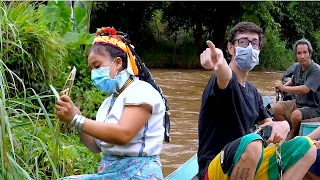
{"x": 129, "y": 129}
{"x": 230, "y": 106}
{"x": 305, "y": 84}
{"x": 314, "y": 171}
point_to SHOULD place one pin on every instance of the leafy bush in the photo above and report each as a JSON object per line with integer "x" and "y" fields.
{"x": 37, "y": 44}
{"x": 28, "y": 48}
{"x": 274, "y": 54}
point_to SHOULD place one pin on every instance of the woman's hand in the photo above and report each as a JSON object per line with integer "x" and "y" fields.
{"x": 65, "y": 109}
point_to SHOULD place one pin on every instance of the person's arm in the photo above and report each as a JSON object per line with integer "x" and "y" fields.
{"x": 315, "y": 135}
{"x": 212, "y": 58}
{"x": 90, "y": 143}
{"x": 290, "y": 88}
{"x": 87, "y": 140}
{"x": 278, "y": 83}
{"x": 295, "y": 89}
{"x": 132, "y": 120}
{"x": 224, "y": 75}
{"x": 312, "y": 83}
{"x": 289, "y": 83}
{"x": 122, "y": 133}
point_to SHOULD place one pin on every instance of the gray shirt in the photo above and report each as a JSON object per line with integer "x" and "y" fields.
{"x": 310, "y": 78}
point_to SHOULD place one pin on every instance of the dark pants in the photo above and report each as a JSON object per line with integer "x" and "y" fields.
{"x": 315, "y": 168}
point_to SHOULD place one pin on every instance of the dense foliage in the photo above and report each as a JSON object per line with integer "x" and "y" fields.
{"x": 42, "y": 41}
{"x": 172, "y": 34}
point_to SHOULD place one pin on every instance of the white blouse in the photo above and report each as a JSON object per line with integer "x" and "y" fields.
{"x": 148, "y": 141}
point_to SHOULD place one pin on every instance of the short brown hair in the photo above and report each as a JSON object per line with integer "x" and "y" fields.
{"x": 244, "y": 27}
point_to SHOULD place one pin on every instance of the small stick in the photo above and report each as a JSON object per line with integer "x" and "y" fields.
{"x": 71, "y": 77}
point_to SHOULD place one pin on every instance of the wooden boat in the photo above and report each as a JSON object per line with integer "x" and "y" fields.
{"x": 189, "y": 169}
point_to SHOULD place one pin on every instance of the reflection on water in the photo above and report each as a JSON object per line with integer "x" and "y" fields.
{"x": 183, "y": 89}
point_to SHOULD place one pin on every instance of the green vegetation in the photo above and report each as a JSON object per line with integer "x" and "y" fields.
{"x": 37, "y": 45}
{"x": 40, "y": 43}
{"x": 172, "y": 34}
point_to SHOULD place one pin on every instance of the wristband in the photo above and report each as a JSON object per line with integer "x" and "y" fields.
{"x": 77, "y": 122}
{"x": 81, "y": 122}
{"x": 74, "y": 119}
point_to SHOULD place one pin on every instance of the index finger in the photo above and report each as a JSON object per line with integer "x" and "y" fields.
{"x": 212, "y": 48}
{"x": 65, "y": 98}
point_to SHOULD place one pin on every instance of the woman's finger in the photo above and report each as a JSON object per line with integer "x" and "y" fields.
{"x": 62, "y": 103}
{"x": 66, "y": 99}
{"x": 57, "y": 107}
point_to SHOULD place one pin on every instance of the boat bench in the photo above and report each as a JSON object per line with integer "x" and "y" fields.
{"x": 309, "y": 125}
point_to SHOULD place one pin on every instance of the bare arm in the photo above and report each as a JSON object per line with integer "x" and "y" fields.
{"x": 296, "y": 89}
{"x": 90, "y": 143}
{"x": 131, "y": 122}
{"x": 212, "y": 58}
{"x": 290, "y": 88}
{"x": 315, "y": 135}
{"x": 312, "y": 83}
{"x": 123, "y": 132}
{"x": 289, "y": 83}
{"x": 224, "y": 75}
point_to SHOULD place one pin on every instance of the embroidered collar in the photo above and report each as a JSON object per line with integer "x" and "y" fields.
{"x": 126, "y": 84}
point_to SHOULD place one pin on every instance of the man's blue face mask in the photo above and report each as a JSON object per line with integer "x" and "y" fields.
{"x": 246, "y": 58}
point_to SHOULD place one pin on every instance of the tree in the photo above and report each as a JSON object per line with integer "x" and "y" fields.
{"x": 299, "y": 20}
{"x": 129, "y": 17}
{"x": 202, "y": 17}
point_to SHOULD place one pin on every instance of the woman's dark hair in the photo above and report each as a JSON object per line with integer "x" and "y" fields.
{"x": 114, "y": 52}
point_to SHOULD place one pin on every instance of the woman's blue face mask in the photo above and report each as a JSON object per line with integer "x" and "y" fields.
{"x": 102, "y": 80}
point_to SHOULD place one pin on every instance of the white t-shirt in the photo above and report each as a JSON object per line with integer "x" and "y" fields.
{"x": 148, "y": 141}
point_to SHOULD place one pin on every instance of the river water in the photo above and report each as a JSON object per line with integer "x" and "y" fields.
{"x": 183, "y": 89}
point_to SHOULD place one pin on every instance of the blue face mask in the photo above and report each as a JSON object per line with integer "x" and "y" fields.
{"x": 102, "y": 80}
{"x": 246, "y": 58}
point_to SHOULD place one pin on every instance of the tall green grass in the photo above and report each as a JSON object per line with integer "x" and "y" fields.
{"x": 20, "y": 32}
{"x": 31, "y": 147}
{"x": 32, "y": 55}
{"x": 33, "y": 52}
{"x": 15, "y": 149}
